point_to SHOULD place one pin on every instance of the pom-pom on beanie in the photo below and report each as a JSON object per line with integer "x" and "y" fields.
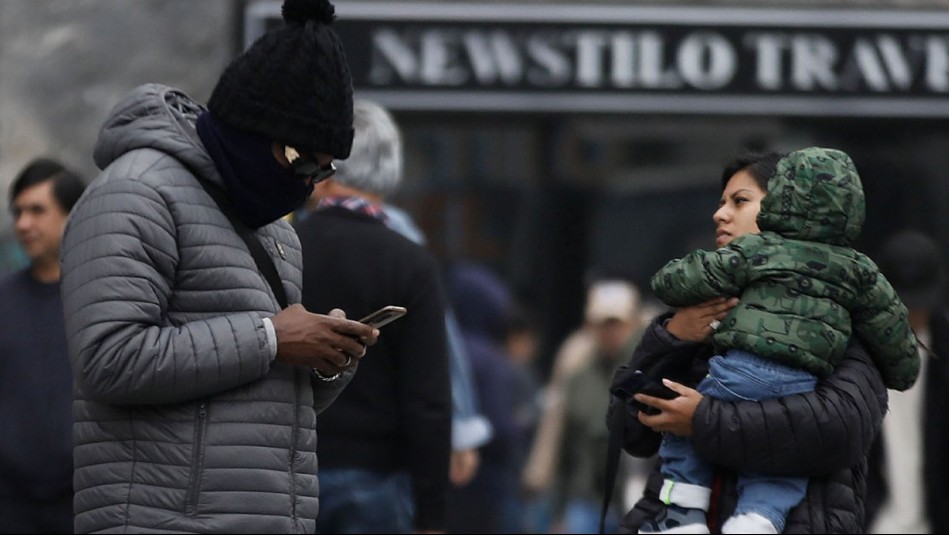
{"x": 293, "y": 84}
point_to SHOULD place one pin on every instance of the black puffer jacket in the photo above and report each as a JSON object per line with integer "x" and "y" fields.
{"x": 824, "y": 435}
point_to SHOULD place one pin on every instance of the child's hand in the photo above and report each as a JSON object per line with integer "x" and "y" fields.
{"x": 694, "y": 323}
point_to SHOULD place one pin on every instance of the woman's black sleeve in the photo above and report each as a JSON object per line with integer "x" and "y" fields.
{"x": 812, "y": 434}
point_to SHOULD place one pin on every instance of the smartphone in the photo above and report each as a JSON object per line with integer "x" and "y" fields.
{"x": 384, "y": 316}
{"x": 638, "y": 382}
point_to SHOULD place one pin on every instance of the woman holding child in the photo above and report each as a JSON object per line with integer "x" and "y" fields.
{"x": 823, "y": 435}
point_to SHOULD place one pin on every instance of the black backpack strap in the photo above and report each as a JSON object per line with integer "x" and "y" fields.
{"x": 264, "y": 262}
{"x": 617, "y": 423}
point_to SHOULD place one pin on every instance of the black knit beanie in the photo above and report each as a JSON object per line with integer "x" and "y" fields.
{"x": 293, "y": 84}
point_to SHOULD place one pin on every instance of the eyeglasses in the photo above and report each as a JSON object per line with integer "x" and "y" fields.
{"x": 306, "y": 168}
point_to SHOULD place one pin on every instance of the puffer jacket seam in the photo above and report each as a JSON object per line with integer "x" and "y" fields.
{"x": 128, "y": 496}
{"x": 294, "y": 436}
{"x": 240, "y": 358}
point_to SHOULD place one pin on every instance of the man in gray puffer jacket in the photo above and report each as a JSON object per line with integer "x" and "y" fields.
{"x": 199, "y": 378}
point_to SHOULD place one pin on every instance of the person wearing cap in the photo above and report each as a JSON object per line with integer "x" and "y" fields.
{"x": 199, "y": 375}
{"x": 908, "y": 480}
{"x": 612, "y": 315}
{"x": 540, "y": 467}
{"x": 803, "y": 291}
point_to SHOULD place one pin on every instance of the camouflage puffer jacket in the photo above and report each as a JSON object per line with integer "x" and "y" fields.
{"x": 803, "y": 289}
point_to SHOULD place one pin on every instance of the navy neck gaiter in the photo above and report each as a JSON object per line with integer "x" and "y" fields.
{"x": 261, "y": 189}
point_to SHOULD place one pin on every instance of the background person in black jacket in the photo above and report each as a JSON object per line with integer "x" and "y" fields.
{"x": 909, "y": 469}
{"x": 384, "y": 444}
{"x": 823, "y": 435}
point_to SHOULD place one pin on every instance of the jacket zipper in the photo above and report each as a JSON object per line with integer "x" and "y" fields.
{"x": 201, "y": 423}
{"x": 293, "y": 446}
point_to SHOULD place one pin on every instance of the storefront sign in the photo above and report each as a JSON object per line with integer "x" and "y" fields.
{"x": 612, "y": 58}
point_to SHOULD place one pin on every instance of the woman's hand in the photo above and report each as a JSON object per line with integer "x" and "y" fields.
{"x": 676, "y": 414}
{"x": 694, "y": 323}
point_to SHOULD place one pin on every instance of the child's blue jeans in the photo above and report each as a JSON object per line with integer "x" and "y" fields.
{"x": 737, "y": 376}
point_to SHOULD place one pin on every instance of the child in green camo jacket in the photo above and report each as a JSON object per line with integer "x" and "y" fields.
{"x": 803, "y": 291}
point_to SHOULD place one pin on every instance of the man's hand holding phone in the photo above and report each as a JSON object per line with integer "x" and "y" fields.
{"x": 328, "y": 343}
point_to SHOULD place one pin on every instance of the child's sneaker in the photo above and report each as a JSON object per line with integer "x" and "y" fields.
{"x": 675, "y": 519}
{"x": 748, "y": 523}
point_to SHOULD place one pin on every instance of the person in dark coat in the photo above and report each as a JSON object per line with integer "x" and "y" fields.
{"x": 823, "y": 435}
{"x": 385, "y": 443}
{"x": 484, "y": 304}
{"x": 803, "y": 290}
{"x": 909, "y": 469}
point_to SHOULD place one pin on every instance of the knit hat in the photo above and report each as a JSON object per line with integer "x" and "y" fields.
{"x": 293, "y": 84}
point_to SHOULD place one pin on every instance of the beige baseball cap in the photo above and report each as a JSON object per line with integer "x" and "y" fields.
{"x": 611, "y": 300}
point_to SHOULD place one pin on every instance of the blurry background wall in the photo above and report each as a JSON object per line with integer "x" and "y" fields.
{"x": 65, "y": 63}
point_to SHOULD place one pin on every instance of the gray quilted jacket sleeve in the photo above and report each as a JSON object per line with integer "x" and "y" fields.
{"x": 120, "y": 255}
